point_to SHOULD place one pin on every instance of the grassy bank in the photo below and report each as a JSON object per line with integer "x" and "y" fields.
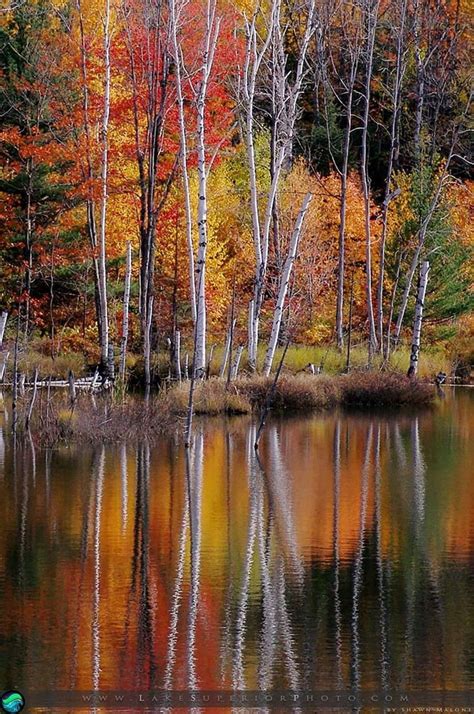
{"x": 433, "y": 359}
{"x": 302, "y": 392}
{"x": 113, "y": 420}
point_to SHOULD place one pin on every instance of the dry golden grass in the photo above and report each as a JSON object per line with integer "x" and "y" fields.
{"x": 210, "y": 397}
{"x": 384, "y": 389}
{"x": 301, "y": 392}
{"x": 106, "y": 419}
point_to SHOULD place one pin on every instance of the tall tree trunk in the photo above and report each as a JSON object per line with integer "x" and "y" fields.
{"x": 284, "y": 282}
{"x": 406, "y": 292}
{"x": 104, "y": 347}
{"x": 392, "y": 307}
{"x": 422, "y": 233}
{"x": 126, "y": 305}
{"x": 157, "y": 76}
{"x": 227, "y": 348}
{"x": 212, "y": 34}
{"x": 371, "y": 14}
{"x": 253, "y": 61}
{"x": 28, "y": 245}
{"x": 420, "y": 303}
{"x": 200, "y": 354}
{"x": 285, "y": 96}
{"x": 89, "y": 177}
{"x": 420, "y": 78}
{"x": 3, "y": 324}
{"x": 349, "y": 331}
{"x": 342, "y": 210}
{"x": 236, "y": 364}
{"x": 175, "y": 22}
{"x": 393, "y": 155}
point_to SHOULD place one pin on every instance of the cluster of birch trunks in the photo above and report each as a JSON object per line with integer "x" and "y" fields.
{"x": 266, "y": 78}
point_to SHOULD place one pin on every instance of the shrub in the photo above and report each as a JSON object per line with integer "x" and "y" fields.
{"x": 384, "y": 389}
{"x": 292, "y": 392}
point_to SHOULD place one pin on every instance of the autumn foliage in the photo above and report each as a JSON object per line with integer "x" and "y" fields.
{"x": 52, "y": 84}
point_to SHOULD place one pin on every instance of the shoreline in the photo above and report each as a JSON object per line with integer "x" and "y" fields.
{"x": 112, "y": 417}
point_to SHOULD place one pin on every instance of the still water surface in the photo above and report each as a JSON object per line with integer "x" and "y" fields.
{"x": 345, "y": 558}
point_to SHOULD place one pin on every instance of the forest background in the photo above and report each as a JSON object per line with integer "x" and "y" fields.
{"x": 174, "y": 173}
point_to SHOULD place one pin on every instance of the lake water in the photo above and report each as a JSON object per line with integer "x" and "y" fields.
{"x": 342, "y": 559}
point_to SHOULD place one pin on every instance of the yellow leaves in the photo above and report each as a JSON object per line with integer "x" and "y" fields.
{"x": 462, "y": 211}
{"x": 318, "y": 333}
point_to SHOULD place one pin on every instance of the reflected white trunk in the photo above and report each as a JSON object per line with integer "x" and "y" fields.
{"x": 279, "y": 484}
{"x": 96, "y": 654}
{"x": 358, "y": 566}
{"x": 124, "y": 484}
{"x": 178, "y": 585}
{"x": 238, "y": 678}
{"x": 195, "y": 502}
{"x": 336, "y": 557}
{"x": 419, "y": 476}
{"x": 380, "y": 567}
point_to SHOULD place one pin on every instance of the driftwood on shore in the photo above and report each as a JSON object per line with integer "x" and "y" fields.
{"x": 92, "y": 383}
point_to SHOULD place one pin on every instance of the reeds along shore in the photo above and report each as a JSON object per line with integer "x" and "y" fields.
{"x": 113, "y": 419}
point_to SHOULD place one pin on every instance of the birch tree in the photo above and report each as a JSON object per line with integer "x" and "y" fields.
{"x": 420, "y": 245}
{"x": 126, "y": 304}
{"x": 353, "y": 51}
{"x": 88, "y": 176}
{"x": 371, "y": 9}
{"x": 459, "y": 130}
{"x": 401, "y": 62}
{"x": 176, "y": 11}
{"x": 420, "y": 302}
{"x": 104, "y": 346}
{"x": 197, "y": 81}
{"x": 269, "y": 54}
{"x": 339, "y": 73}
{"x": 210, "y": 43}
{"x": 284, "y": 282}
{"x": 150, "y": 65}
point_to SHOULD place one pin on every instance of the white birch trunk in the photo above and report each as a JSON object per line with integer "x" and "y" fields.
{"x": 212, "y": 34}
{"x": 175, "y": 21}
{"x": 285, "y": 97}
{"x": 394, "y": 142}
{"x": 420, "y": 303}
{"x": 253, "y": 61}
{"x": 126, "y": 305}
{"x": 236, "y": 365}
{"x": 88, "y": 174}
{"x": 421, "y": 242}
{"x": 343, "y": 209}
{"x": 420, "y": 73}
{"x": 104, "y": 347}
{"x": 3, "y": 324}
{"x": 252, "y": 332}
{"x": 372, "y": 14}
{"x": 284, "y": 282}
{"x": 406, "y": 293}
{"x": 228, "y": 341}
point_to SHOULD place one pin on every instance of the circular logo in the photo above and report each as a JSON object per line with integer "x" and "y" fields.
{"x": 12, "y": 702}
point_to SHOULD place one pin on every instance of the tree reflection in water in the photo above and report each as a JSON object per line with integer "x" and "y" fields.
{"x": 337, "y": 557}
